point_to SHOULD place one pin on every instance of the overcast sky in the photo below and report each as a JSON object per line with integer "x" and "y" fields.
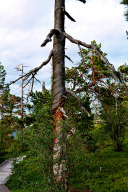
{"x": 24, "y": 25}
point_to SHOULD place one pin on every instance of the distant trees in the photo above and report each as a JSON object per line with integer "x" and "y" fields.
{"x": 115, "y": 122}
{"x": 9, "y": 111}
{"x": 114, "y": 111}
{"x": 2, "y": 78}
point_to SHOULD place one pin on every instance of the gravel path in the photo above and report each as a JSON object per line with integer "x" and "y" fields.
{"x": 5, "y": 171}
{"x": 3, "y": 188}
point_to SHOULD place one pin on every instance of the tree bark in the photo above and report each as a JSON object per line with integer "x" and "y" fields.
{"x": 58, "y": 55}
{"x": 59, "y": 159}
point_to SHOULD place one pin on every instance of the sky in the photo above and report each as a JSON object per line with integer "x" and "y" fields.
{"x": 24, "y": 24}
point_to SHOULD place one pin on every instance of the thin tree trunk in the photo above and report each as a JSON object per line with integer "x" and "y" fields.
{"x": 59, "y": 159}
{"x": 22, "y": 95}
{"x": 43, "y": 87}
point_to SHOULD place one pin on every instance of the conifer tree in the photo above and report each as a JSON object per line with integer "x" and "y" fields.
{"x": 2, "y": 86}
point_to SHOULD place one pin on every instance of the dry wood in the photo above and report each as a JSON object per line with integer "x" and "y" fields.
{"x": 49, "y": 36}
{"x": 84, "y": 1}
{"x": 34, "y": 71}
{"x": 69, "y": 16}
{"x": 68, "y": 58}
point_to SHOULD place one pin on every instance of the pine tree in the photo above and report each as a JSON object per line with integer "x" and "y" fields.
{"x": 2, "y": 86}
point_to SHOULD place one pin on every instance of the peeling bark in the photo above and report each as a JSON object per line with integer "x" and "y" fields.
{"x": 59, "y": 156}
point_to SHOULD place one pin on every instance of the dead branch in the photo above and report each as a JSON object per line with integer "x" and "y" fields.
{"x": 78, "y": 100}
{"x": 84, "y": 1}
{"x": 77, "y": 41}
{"x": 27, "y": 82}
{"x": 37, "y": 80}
{"x": 99, "y": 53}
{"x": 95, "y": 48}
{"x": 49, "y": 36}
{"x": 32, "y": 83}
{"x": 69, "y": 16}
{"x": 68, "y": 58}
{"x": 34, "y": 71}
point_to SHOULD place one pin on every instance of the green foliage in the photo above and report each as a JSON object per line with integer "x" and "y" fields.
{"x": 123, "y": 69}
{"x": 125, "y": 2}
{"x": 91, "y": 74}
{"x": 30, "y": 175}
{"x": 9, "y": 107}
{"x": 115, "y": 121}
{"x": 100, "y": 135}
{"x": 102, "y": 171}
{"x": 2, "y": 77}
{"x": 35, "y": 173}
{"x": 79, "y": 120}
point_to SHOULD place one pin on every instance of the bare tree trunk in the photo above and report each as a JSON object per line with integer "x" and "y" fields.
{"x": 43, "y": 87}
{"x": 58, "y": 55}
{"x": 22, "y": 95}
{"x": 59, "y": 159}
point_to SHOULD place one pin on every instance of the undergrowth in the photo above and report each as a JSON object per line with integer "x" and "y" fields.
{"x": 102, "y": 171}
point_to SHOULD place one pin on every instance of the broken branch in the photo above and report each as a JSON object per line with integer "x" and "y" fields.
{"x": 68, "y": 58}
{"x": 83, "y": 1}
{"x": 69, "y": 16}
{"x": 48, "y": 38}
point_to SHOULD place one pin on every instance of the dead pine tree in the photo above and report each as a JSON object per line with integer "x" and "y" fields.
{"x": 59, "y": 154}
{"x": 57, "y": 54}
{"x": 59, "y": 158}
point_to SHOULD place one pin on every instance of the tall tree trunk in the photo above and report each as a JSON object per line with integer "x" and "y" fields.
{"x": 59, "y": 160}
